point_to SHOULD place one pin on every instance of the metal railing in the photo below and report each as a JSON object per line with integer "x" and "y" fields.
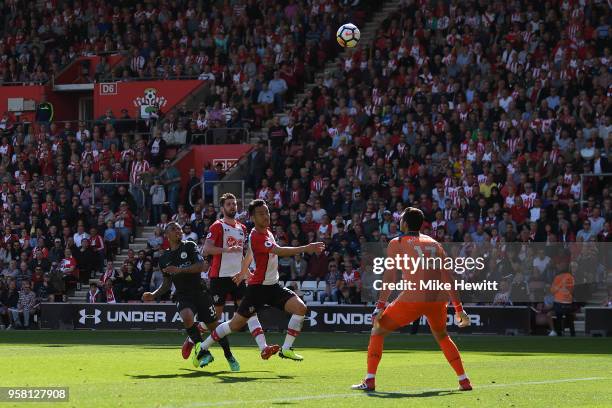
{"x": 23, "y": 83}
{"x": 120, "y": 126}
{"x": 202, "y": 186}
{"x": 582, "y": 176}
{"x": 148, "y": 78}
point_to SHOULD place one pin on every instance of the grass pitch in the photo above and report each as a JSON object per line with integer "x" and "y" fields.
{"x": 145, "y": 369}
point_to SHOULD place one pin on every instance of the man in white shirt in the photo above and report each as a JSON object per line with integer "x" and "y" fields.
{"x": 597, "y": 221}
{"x": 188, "y": 234}
{"x": 505, "y": 101}
{"x": 586, "y": 232}
{"x": 80, "y": 234}
{"x": 535, "y": 211}
{"x": 278, "y": 87}
{"x": 206, "y": 75}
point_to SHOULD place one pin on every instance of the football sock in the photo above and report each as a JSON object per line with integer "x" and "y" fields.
{"x": 224, "y": 343}
{"x": 452, "y": 355}
{"x": 375, "y": 350}
{"x": 217, "y": 334}
{"x": 257, "y": 332}
{"x": 194, "y": 333}
{"x": 293, "y": 330}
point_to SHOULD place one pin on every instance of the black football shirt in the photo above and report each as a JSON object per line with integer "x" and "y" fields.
{"x": 183, "y": 257}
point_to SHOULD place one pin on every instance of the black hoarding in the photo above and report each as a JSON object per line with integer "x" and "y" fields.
{"x": 341, "y": 318}
{"x": 598, "y": 321}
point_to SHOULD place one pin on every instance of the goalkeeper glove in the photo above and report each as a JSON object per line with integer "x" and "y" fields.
{"x": 462, "y": 318}
{"x": 380, "y": 307}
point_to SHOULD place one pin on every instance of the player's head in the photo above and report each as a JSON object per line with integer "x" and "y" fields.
{"x": 174, "y": 232}
{"x": 228, "y": 205}
{"x": 412, "y": 220}
{"x": 259, "y": 213}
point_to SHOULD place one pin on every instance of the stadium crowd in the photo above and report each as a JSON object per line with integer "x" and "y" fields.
{"x": 482, "y": 114}
{"x": 254, "y": 54}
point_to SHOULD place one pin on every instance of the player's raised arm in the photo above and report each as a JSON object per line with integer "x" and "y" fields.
{"x": 463, "y": 320}
{"x": 312, "y": 248}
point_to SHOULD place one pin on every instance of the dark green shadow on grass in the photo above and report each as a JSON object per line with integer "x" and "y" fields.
{"x": 424, "y": 394}
{"x": 220, "y": 375}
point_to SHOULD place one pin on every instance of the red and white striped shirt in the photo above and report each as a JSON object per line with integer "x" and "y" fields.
{"x": 137, "y": 169}
{"x": 529, "y": 199}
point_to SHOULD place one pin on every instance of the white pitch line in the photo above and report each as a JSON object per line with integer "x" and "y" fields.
{"x": 362, "y": 394}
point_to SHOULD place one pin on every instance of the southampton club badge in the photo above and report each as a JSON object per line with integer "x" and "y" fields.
{"x": 150, "y": 103}
{"x": 183, "y": 255}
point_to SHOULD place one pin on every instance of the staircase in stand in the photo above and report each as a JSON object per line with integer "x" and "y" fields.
{"x": 140, "y": 242}
{"x": 368, "y": 34}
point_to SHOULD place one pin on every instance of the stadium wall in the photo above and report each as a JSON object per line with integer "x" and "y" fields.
{"x": 134, "y": 95}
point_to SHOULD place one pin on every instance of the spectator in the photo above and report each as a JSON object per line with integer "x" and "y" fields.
{"x": 209, "y": 176}
{"x": 266, "y": 99}
{"x": 562, "y": 289}
{"x": 278, "y": 87}
{"x": 154, "y": 243}
{"x": 124, "y": 222}
{"x": 111, "y": 241}
{"x": 502, "y": 297}
{"x": 80, "y": 234}
{"x": 158, "y": 198}
{"x": 333, "y": 285}
{"x": 157, "y": 148}
{"x": 26, "y": 306}
{"x": 156, "y": 280}
{"x": 44, "y": 290}
{"x": 352, "y": 280}
{"x": 97, "y": 245}
{"x": 171, "y": 178}
{"x": 298, "y": 268}
{"x": 94, "y": 294}
{"x": 69, "y": 270}
{"x": 9, "y": 298}
{"x": 87, "y": 263}
{"x": 188, "y": 234}
{"x": 585, "y": 234}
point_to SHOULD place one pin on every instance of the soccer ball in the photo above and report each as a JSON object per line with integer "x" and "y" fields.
{"x": 348, "y": 35}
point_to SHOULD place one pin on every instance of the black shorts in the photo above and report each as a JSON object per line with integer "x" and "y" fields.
{"x": 257, "y": 296}
{"x": 200, "y": 304}
{"x": 221, "y": 287}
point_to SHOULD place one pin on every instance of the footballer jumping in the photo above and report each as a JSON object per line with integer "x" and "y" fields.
{"x": 262, "y": 285}
{"x": 411, "y": 305}
{"x": 225, "y": 242}
{"x": 182, "y": 264}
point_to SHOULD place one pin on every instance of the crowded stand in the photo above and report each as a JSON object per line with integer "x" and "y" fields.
{"x": 491, "y": 117}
